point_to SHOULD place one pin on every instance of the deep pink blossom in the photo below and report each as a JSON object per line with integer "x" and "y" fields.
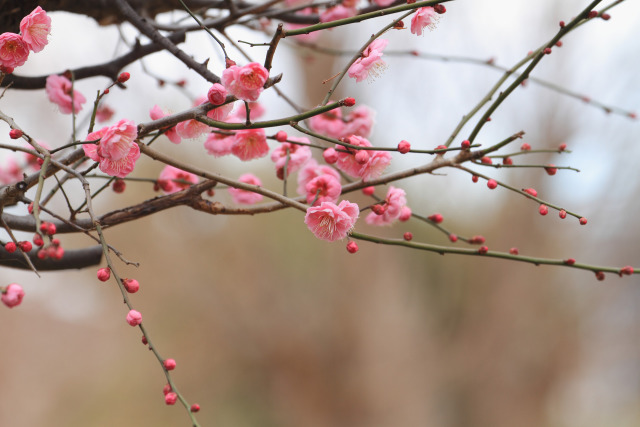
{"x": 217, "y": 94}
{"x": 134, "y": 318}
{"x": 396, "y": 201}
{"x": 13, "y": 51}
{"x": 245, "y": 197}
{"x": 116, "y": 150}
{"x": 337, "y": 12}
{"x": 298, "y": 155}
{"x": 250, "y": 144}
{"x": 311, "y": 170}
{"x": 325, "y": 187}
{"x": 370, "y": 62}
{"x": 330, "y": 222}
{"x": 12, "y": 295}
{"x": 424, "y": 17}
{"x": 59, "y": 90}
{"x": 170, "y": 175}
{"x": 245, "y": 83}
{"x": 171, "y": 133}
{"x": 35, "y": 28}
{"x": 347, "y": 162}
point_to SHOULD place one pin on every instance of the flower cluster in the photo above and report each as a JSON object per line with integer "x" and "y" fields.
{"x": 14, "y": 48}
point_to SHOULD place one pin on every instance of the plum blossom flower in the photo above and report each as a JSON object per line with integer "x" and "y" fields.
{"x": 311, "y": 170}
{"x": 35, "y": 28}
{"x": 245, "y": 197}
{"x": 359, "y": 122}
{"x": 171, "y": 133}
{"x": 11, "y": 172}
{"x": 104, "y": 113}
{"x": 217, "y": 94}
{"x": 325, "y": 187}
{"x": 219, "y": 144}
{"x": 330, "y": 222}
{"x": 169, "y": 176}
{"x": 13, "y": 51}
{"x": 329, "y": 124}
{"x": 367, "y": 164}
{"x": 395, "y": 204}
{"x": 245, "y": 83}
{"x": 370, "y": 62}
{"x": 332, "y": 123}
{"x": 425, "y": 17}
{"x": 250, "y": 144}
{"x": 347, "y": 162}
{"x": 337, "y": 12}
{"x": 297, "y": 156}
{"x": 59, "y": 90}
{"x": 116, "y": 150}
{"x": 190, "y": 129}
{"x": 256, "y": 110}
{"x": 373, "y": 168}
{"x": 134, "y": 318}
{"x": 383, "y": 3}
{"x": 12, "y": 295}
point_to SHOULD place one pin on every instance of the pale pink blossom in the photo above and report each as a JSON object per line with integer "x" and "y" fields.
{"x": 245, "y": 197}
{"x": 256, "y": 110}
{"x": 395, "y": 202}
{"x": 134, "y": 318}
{"x": 424, "y": 17}
{"x": 370, "y": 62}
{"x": 245, "y": 83}
{"x": 330, "y": 222}
{"x": 250, "y": 144}
{"x": 169, "y": 176}
{"x": 11, "y": 172}
{"x": 383, "y": 3}
{"x": 35, "y": 28}
{"x": 219, "y": 144}
{"x": 297, "y": 156}
{"x": 13, "y": 51}
{"x": 171, "y": 133}
{"x": 405, "y": 214}
{"x": 377, "y": 163}
{"x": 190, "y": 129}
{"x": 329, "y": 124}
{"x": 337, "y": 12}
{"x": 116, "y": 150}
{"x": 311, "y": 170}
{"x": 104, "y": 113}
{"x": 325, "y": 187}
{"x": 12, "y": 295}
{"x": 359, "y": 122}
{"x": 59, "y": 90}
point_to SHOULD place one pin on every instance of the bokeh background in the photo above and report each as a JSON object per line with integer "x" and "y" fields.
{"x": 272, "y": 327}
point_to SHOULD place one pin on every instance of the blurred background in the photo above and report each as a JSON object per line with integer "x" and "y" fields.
{"x": 272, "y": 327}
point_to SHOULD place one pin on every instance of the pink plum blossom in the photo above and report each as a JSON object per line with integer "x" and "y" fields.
{"x": 219, "y": 144}
{"x": 13, "y": 51}
{"x": 359, "y": 122}
{"x": 190, "y": 129}
{"x": 35, "y": 28}
{"x": 325, "y": 187}
{"x": 365, "y": 164}
{"x": 256, "y": 110}
{"x": 104, "y": 113}
{"x": 311, "y": 170}
{"x": 12, "y": 295}
{"x": 298, "y": 155}
{"x": 134, "y": 318}
{"x": 383, "y": 3}
{"x": 245, "y": 197}
{"x": 329, "y": 124}
{"x": 217, "y": 94}
{"x": 377, "y": 163}
{"x": 347, "y": 162}
{"x": 337, "y": 12}
{"x": 171, "y": 133}
{"x": 332, "y": 123}
{"x": 424, "y": 17}
{"x": 330, "y": 222}
{"x": 395, "y": 202}
{"x": 245, "y": 83}
{"x": 370, "y": 62}
{"x": 59, "y": 90}
{"x": 250, "y": 144}
{"x": 11, "y": 172}
{"x": 170, "y": 175}
{"x": 116, "y": 150}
